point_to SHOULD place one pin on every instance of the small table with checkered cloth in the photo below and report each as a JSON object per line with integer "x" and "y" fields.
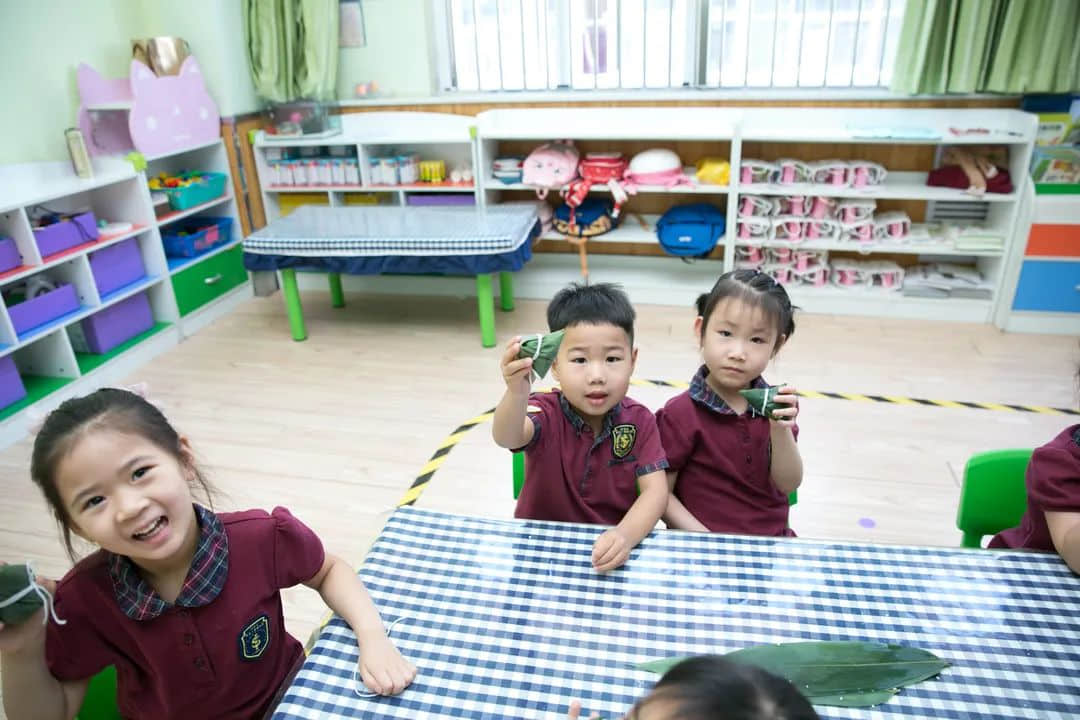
{"x": 376, "y": 240}
{"x": 507, "y": 619}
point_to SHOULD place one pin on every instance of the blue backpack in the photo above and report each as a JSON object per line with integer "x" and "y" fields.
{"x": 691, "y": 230}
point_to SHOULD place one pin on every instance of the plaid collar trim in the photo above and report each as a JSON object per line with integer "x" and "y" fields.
{"x": 701, "y": 393}
{"x": 579, "y": 424}
{"x": 205, "y": 580}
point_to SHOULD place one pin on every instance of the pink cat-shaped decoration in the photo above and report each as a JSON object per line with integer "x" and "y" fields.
{"x": 166, "y": 113}
{"x": 171, "y": 112}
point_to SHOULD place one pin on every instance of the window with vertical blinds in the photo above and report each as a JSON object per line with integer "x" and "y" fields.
{"x": 497, "y": 45}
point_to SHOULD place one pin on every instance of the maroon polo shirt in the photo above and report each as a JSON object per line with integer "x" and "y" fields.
{"x": 573, "y": 475}
{"x": 221, "y": 651}
{"x": 723, "y": 460}
{"x": 1053, "y": 485}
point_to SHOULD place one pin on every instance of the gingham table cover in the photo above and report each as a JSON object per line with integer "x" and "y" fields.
{"x": 507, "y": 619}
{"x": 371, "y": 231}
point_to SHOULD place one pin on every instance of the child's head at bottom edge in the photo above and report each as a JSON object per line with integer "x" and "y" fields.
{"x": 597, "y": 354}
{"x": 711, "y": 687}
{"x": 115, "y": 472}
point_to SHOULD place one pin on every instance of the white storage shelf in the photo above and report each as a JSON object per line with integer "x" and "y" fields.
{"x": 730, "y": 128}
{"x": 45, "y": 356}
{"x": 433, "y": 136}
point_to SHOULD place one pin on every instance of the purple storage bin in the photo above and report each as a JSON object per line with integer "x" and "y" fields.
{"x": 11, "y": 386}
{"x": 440, "y": 199}
{"x": 117, "y": 323}
{"x": 9, "y": 254}
{"x": 117, "y": 265}
{"x": 51, "y": 239}
{"x": 37, "y": 311}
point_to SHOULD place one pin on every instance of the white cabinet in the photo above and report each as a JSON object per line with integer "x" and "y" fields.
{"x": 813, "y": 134}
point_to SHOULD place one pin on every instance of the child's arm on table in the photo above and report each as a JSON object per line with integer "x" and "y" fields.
{"x": 30, "y": 690}
{"x": 1065, "y": 533}
{"x": 676, "y": 515}
{"x": 382, "y": 668}
{"x": 510, "y": 427}
{"x": 613, "y": 547}
{"x": 786, "y": 469}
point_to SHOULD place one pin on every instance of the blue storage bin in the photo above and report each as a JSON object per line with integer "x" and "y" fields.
{"x": 188, "y": 239}
{"x": 690, "y": 230}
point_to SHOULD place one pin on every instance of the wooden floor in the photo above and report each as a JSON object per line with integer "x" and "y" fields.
{"x": 336, "y": 428}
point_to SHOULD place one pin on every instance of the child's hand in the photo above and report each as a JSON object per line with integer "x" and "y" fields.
{"x": 610, "y": 550}
{"x": 786, "y": 416}
{"x": 382, "y": 668}
{"x": 30, "y": 632}
{"x": 575, "y": 712}
{"x": 517, "y": 373}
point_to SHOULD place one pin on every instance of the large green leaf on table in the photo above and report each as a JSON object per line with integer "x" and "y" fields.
{"x": 14, "y": 581}
{"x": 848, "y": 674}
{"x": 548, "y": 348}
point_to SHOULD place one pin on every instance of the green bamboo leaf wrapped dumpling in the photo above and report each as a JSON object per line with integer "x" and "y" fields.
{"x": 18, "y": 599}
{"x": 762, "y": 400}
{"x": 542, "y": 349}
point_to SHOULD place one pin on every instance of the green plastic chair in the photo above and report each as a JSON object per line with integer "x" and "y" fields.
{"x": 100, "y": 700}
{"x": 993, "y": 496}
{"x": 519, "y": 478}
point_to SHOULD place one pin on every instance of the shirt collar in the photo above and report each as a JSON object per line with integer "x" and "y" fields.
{"x": 579, "y": 423}
{"x": 704, "y": 395}
{"x": 204, "y": 581}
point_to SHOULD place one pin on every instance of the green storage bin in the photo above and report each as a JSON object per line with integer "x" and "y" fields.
{"x": 211, "y": 187}
{"x": 209, "y": 279}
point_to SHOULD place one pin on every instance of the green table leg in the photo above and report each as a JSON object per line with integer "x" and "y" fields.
{"x": 337, "y": 295}
{"x": 485, "y": 305}
{"x": 506, "y": 290}
{"x": 292, "y": 304}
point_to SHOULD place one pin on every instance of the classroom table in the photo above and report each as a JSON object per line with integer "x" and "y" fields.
{"x": 380, "y": 240}
{"x": 507, "y": 619}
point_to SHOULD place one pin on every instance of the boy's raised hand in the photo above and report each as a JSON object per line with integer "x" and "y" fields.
{"x": 516, "y": 373}
{"x": 785, "y": 416}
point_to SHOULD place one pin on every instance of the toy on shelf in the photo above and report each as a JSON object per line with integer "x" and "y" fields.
{"x": 849, "y": 211}
{"x": 791, "y": 171}
{"x": 151, "y": 114}
{"x": 507, "y": 170}
{"x": 756, "y": 206}
{"x": 713, "y": 171}
{"x": 975, "y": 169}
{"x": 550, "y": 167}
{"x": 892, "y": 226}
{"x": 188, "y": 189}
{"x": 656, "y": 166}
{"x": 598, "y": 169}
{"x": 754, "y": 228}
{"x": 757, "y": 171}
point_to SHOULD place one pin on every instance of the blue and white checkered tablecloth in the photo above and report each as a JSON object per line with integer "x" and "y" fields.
{"x": 507, "y": 619}
{"x": 374, "y": 231}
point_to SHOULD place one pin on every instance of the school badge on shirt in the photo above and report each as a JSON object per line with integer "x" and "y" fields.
{"x": 622, "y": 440}
{"x": 255, "y": 638}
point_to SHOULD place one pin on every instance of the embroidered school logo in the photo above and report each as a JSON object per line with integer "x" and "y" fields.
{"x": 622, "y": 440}
{"x": 255, "y": 638}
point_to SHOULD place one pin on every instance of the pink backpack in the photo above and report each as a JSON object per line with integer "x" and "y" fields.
{"x": 550, "y": 166}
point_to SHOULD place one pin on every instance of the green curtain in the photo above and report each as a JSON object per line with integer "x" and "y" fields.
{"x": 292, "y": 48}
{"x": 1006, "y": 46}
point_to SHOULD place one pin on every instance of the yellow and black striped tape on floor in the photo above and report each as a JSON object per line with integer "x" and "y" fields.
{"x": 439, "y": 456}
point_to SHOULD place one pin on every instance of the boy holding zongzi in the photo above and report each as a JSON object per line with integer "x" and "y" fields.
{"x": 589, "y": 449}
